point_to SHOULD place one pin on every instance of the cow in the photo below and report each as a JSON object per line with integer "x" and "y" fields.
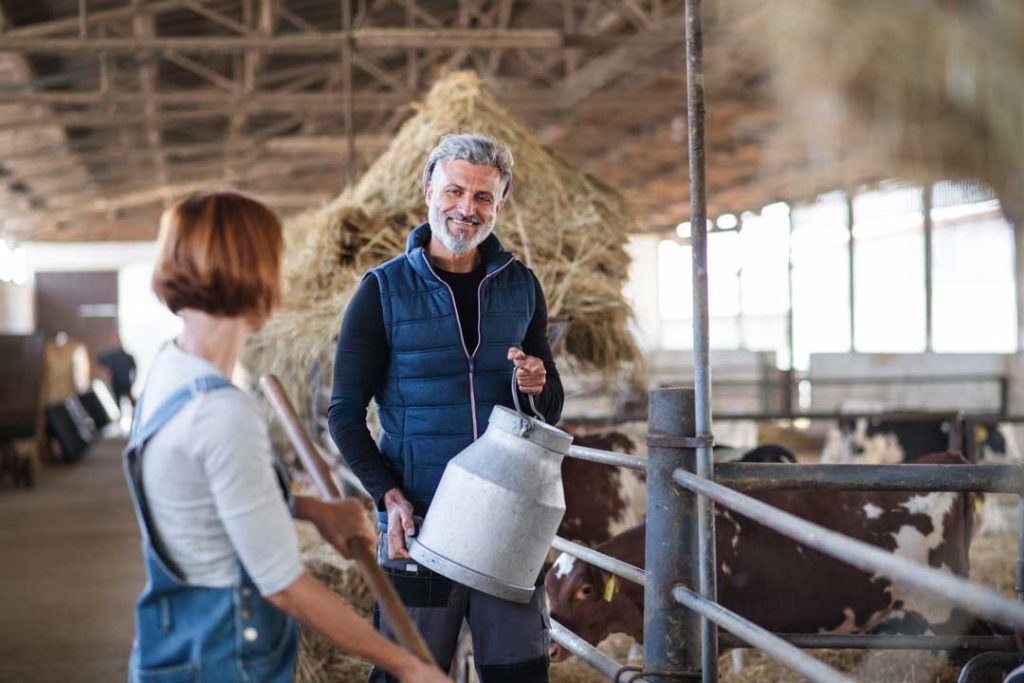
{"x": 601, "y": 501}
{"x": 992, "y": 443}
{"x": 895, "y": 440}
{"x": 888, "y": 439}
{"x": 783, "y": 586}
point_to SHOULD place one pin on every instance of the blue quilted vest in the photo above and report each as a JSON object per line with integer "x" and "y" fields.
{"x": 439, "y": 394}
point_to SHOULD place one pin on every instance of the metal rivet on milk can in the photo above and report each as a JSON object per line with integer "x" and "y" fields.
{"x": 498, "y": 507}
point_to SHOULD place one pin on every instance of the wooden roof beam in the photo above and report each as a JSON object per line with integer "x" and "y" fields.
{"x": 72, "y": 24}
{"x": 329, "y": 43}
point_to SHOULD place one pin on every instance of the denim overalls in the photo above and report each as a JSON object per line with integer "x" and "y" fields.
{"x": 193, "y": 633}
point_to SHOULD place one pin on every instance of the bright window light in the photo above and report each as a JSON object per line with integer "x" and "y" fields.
{"x": 727, "y": 221}
{"x": 683, "y": 230}
{"x": 19, "y": 266}
{"x": 776, "y": 210}
{"x": 6, "y": 262}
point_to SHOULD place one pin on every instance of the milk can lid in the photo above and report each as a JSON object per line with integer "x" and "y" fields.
{"x": 531, "y": 429}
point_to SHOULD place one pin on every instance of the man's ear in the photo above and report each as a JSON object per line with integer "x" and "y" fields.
{"x": 428, "y": 191}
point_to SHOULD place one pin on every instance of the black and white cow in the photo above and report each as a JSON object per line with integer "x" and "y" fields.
{"x": 888, "y": 439}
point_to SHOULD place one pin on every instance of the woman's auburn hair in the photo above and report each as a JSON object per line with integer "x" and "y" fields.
{"x": 219, "y": 253}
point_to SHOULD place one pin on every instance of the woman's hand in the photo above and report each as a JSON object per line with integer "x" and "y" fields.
{"x": 342, "y": 522}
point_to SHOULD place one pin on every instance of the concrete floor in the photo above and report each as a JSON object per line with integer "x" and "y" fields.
{"x": 70, "y": 569}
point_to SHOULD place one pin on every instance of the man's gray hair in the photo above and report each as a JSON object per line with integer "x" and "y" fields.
{"x": 476, "y": 148}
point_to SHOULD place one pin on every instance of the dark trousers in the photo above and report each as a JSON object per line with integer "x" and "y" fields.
{"x": 510, "y": 639}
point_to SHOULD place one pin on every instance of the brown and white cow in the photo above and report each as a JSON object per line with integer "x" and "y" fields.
{"x": 784, "y": 586}
{"x": 601, "y": 501}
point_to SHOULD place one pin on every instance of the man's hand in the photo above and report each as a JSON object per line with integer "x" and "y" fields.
{"x": 343, "y": 522}
{"x": 400, "y": 523}
{"x": 530, "y": 372}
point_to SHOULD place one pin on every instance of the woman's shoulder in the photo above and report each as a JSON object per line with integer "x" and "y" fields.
{"x": 229, "y": 421}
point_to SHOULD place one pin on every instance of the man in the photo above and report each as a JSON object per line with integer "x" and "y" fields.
{"x": 122, "y": 370}
{"x": 433, "y": 336}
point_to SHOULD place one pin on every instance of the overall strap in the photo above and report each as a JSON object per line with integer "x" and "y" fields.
{"x": 137, "y": 443}
{"x": 175, "y": 402}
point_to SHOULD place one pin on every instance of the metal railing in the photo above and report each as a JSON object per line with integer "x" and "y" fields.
{"x": 675, "y": 454}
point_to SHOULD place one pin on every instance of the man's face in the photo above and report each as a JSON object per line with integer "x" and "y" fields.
{"x": 463, "y": 201}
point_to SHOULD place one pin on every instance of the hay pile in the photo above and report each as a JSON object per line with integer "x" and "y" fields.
{"x": 922, "y": 90}
{"x": 569, "y": 228}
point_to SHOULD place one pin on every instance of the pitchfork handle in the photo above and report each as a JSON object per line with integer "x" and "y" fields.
{"x": 390, "y": 605}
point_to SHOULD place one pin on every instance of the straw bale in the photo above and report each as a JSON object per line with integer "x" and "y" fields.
{"x": 922, "y": 90}
{"x": 568, "y": 227}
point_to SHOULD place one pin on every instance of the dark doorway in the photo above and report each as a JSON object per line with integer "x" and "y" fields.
{"x": 83, "y": 304}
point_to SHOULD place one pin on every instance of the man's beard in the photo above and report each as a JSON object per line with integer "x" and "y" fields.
{"x": 451, "y": 242}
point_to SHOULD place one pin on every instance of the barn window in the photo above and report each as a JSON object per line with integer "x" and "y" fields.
{"x": 889, "y": 286}
{"x": 821, "y": 278}
{"x": 973, "y": 271}
{"x": 764, "y": 281}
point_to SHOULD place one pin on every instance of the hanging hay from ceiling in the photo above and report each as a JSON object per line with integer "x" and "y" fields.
{"x": 922, "y": 90}
{"x": 568, "y": 227}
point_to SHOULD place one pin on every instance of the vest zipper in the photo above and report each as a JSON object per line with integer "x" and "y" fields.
{"x": 470, "y": 357}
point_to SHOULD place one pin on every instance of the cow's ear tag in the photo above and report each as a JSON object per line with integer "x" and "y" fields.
{"x": 609, "y": 588}
{"x": 980, "y": 434}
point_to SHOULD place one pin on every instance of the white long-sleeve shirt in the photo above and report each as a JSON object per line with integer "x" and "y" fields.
{"x": 209, "y": 481}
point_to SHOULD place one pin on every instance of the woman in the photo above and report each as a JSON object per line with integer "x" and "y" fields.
{"x": 225, "y": 581}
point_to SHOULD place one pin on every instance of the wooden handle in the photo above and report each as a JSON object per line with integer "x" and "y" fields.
{"x": 363, "y": 554}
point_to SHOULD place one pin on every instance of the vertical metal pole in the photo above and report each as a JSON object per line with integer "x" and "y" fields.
{"x": 790, "y": 330}
{"x": 672, "y": 635}
{"x": 741, "y": 336}
{"x": 347, "y": 93}
{"x": 926, "y": 208}
{"x": 1018, "y": 279}
{"x": 701, "y": 362}
{"x": 1020, "y": 549}
{"x": 852, "y": 278}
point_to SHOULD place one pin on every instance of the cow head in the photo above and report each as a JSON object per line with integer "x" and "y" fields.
{"x": 590, "y": 602}
{"x": 864, "y": 441}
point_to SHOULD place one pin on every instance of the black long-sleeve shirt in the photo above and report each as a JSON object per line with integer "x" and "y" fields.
{"x": 361, "y": 365}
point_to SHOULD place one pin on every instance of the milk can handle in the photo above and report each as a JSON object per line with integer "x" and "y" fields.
{"x": 529, "y": 397}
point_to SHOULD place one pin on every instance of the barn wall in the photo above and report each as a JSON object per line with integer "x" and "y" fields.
{"x": 893, "y": 381}
{"x": 143, "y": 322}
{"x": 741, "y": 381}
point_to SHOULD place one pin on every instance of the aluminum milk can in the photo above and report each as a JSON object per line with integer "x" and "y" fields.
{"x": 497, "y": 508}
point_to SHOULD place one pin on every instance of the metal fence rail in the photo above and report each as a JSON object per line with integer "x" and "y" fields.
{"x": 633, "y": 462}
{"x": 600, "y": 560}
{"x": 593, "y": 657}
{"x": 961, "y": 592}
{"x": 860, "y": 641}
{"x": 743, "y": 476}
{"x": 778, "y": 649}
{"x": 672, "y": 409}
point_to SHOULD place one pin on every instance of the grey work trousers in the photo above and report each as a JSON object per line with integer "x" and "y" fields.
{"x": 510, "y": 640}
